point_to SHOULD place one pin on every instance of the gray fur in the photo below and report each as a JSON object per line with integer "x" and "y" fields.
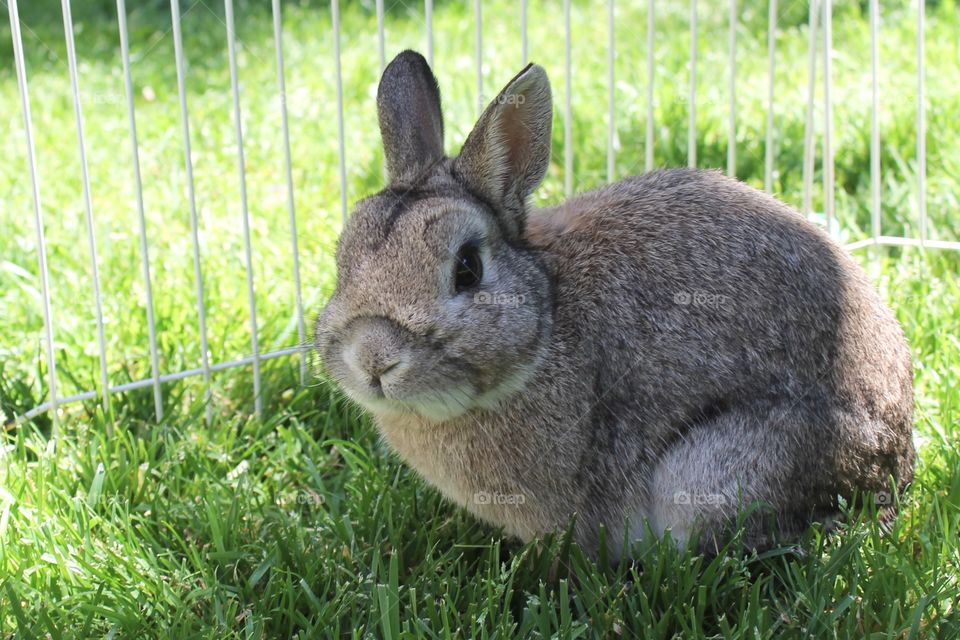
{"x": 674, "y": 335}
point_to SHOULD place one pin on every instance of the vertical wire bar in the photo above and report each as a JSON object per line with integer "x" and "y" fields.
{"x": 810, "y": 123}
{"x": 568, "y": 106}
{"x": 428, "y": 16}
{"x": 381, "y": 38}
{"x": 381, "y": 47}
{"x": 828, "y": 191}
{"x": 37, "y": 211}
{"x": 692, "y": 110}
{"x": 479, "y": 43}
{"x": 523, "y": 33}
{"x": 875, "y": 121}
{"x": 771, "y": 52}
{"x": 88, "y": 209}
{"x": 921, "y": 126}
{"x": 142, "y": 219}
{"x": 611, "y": 58}
{"x": 335, "y": 15}
{"x": 244, "y": 210}
{"x": 192, "y": 201}
{"x": 732, "y": 123}
{"x": 288, "y": 166}
{"x": 648, "y": 151}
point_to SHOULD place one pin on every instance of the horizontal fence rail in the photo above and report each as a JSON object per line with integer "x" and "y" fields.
{"x": 819, "y": 50}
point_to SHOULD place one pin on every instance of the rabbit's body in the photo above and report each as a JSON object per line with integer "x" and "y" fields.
{"x": 763, "y": 351}
{"x": 665, "y": 350}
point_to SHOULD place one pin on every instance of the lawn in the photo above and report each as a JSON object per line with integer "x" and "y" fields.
{"x": 300, "y": 523}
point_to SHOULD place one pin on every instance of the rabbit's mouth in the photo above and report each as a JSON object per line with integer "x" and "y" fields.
{"x": 433, "y": 394}
{"x": 442, "y": 398}
{"x": 404, "y": 385}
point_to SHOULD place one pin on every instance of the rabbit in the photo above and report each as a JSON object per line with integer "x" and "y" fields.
{"x": 656, "y": 355}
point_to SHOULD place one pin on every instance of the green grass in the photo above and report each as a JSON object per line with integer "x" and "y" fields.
{"x": 302, "y": 523}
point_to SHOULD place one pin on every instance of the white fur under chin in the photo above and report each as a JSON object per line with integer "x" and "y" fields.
{"x": 442, "y": 405}
{"x": 514, "y": 383}
{"x": 436, "y": 407}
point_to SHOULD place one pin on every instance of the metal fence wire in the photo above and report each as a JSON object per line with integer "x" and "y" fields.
{"x": 819, "y": 47}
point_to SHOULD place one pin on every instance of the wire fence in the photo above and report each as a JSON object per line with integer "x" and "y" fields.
{"x": 819, "y": 47}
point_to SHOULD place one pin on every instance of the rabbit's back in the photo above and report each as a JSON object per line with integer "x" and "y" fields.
{"x": 698, "y": 293}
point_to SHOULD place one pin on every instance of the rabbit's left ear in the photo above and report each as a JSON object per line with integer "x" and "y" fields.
{"x": 507, "y": 154}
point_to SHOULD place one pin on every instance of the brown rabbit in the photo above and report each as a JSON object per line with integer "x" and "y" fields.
{"x": 661, "y": 351}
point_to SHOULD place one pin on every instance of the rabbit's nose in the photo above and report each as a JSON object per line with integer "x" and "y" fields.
{"x": 373, "y": 351}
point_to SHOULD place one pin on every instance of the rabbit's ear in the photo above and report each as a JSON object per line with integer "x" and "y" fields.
{"x": 411, "y": 124}
{"x": 507, "y": 154}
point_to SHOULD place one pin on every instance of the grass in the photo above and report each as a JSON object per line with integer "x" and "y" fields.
{"x": 302, "y": 523}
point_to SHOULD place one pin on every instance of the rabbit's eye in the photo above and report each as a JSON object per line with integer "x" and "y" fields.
{"x": 469, "y": 267}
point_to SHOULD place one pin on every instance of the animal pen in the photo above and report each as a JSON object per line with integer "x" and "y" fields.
{"x": 818, "y": 139}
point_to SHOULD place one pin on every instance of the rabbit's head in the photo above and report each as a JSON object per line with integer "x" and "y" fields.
{"x": 440, "y": 305}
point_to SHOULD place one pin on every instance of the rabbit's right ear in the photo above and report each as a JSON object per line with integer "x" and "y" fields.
{"x": 411, "y": 123}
